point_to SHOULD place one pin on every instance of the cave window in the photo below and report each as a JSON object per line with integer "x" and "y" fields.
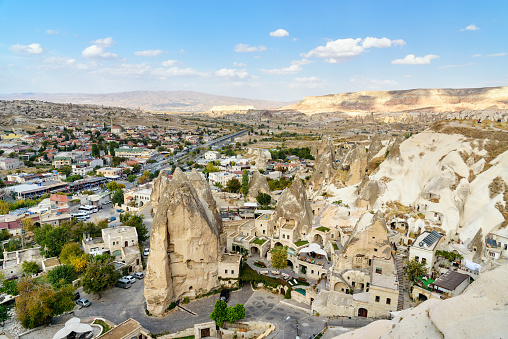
{"x": 377, "y": 298}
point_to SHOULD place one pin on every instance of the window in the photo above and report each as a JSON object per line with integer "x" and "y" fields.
{"x": 312, "y": 271}
{"x": 375, "y": 249}
{"x": 388, "y": 301}
{"x": 232, "y": 271}
{"x": 379, "y": 270}
{"x": 226, "y": 271}
{"x": 377, "y": 298}
{"x": 353, "y": 284}
{"x": 263, "y": 231}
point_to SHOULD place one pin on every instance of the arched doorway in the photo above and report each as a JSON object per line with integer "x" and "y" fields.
{"x": 340, "y": 287}
{"x": 290, "y": 265}
{"x": 254, "y": 251}
{"x": 318, "y": 239}
{"x": 362, "y": 312}
{"x": 422, "y": 297}
{"x": 278, "y": 244}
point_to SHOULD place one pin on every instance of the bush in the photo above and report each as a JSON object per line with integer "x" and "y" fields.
{"x": 248, "y": 274}
{"x": 287, "y": 295}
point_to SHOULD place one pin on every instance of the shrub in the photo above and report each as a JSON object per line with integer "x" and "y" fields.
{"x": 287, "y": 295}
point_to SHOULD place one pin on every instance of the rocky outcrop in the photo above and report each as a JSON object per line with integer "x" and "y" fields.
{"x": 480, "y": 312}
{"x": 435, "y": 100}
{"x": 324, "y": 166}
{"x": 394, "y": 149}
{"x": 259, "y": 156}
{"x": 257, "y": 184}
{"x": 204, "y": 192}
{"x": 184, "y": 243}
{"x": 293, "y": 204}
{"x": 374, "y": 148}
{"x": 368, "y": 192}
{"x": 358, "y": 165}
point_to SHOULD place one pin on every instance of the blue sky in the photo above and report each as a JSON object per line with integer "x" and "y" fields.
{"x": 277, "y": 50}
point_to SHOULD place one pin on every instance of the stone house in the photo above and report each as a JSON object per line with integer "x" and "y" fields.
{"x": 450, "y": 284}
{"x": 229, "y": 266}
{"x": 11, "y": 266}
{"x": 424, "y": 248}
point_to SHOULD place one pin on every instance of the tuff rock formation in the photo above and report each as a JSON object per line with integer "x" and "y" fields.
{"x": 368, "y": 192}
{"x": 394, "y": 149}
{"x": 257, "y": 184}
{"x": 203, "y": 190}
{"x": 293, "y": 204}
{"x": 184, "y": 241}
{"x": 260, "y": 156}
{"x": 358, "y": 165}
{"x": 480, "y": 312}
{"x": 374, "y": 148}
{"x": 324, "y": 166}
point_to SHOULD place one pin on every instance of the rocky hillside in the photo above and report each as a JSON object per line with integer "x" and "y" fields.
{"x": 180, "y": 101}
{"x": 421, "y": 100}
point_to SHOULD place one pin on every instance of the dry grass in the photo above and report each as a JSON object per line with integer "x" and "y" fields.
{"x": 496, "y": 187}
{"x": 374, "y": 163}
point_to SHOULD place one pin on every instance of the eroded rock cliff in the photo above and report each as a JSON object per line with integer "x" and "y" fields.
{"x": 184, "y": 243}
{"x": 257, "y": 184}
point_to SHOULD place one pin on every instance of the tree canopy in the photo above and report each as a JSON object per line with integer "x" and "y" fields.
{"x": 279, "y": 257}
{"x": 100, "y": 274}
{"x": 61, "y": 275}
{"x": 414, "y": 269}
{"x": 233, "y": 185}
{"x": 245, "y": 182}
{"x": 264, "y": 199}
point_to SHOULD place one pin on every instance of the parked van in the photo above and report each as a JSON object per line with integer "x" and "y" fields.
{"x": 123, "y": 283}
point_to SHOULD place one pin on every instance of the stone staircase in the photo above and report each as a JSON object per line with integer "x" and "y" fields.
{"x": 400, "y": 277}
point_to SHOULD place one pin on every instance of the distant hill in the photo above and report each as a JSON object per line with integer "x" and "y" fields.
{"x": 181, "y": 101}
{"x": 430, "y": 100}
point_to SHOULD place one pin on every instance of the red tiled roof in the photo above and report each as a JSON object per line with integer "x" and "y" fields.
{"x": 59, "y": 198}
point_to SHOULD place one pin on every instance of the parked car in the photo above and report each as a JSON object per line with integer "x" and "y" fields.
{"x": 83, "y": 302}
{"x": 123, "y": 283}
{"x": 106, "y": 202}
{"x": 112, "y": 219}
{"x": 120, "y": 210}
{"x": 146, "y": 251}
{"x": 130, "y": 278}
{"x": 138, "y": 275}
{"x": 224, "y": 295}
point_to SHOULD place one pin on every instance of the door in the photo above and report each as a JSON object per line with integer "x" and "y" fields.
{"x": 205, "y": 332}
{"x": 362, "y": 312}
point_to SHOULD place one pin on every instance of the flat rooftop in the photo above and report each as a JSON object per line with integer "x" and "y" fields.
{"x": 231, "y": 258}
{"x": 386, "y": 281}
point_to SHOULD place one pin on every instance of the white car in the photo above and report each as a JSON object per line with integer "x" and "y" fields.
{"x": 146, "y": 251}
{"x": 130, "y": 278}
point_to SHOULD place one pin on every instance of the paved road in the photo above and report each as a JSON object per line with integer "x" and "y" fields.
{"x": 117, "y": 305}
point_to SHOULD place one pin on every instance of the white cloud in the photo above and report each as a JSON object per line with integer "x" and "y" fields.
{"x": 281, "y": 71}
{"x": 244, "y": 48}
{"x": 170, "y": 63}
{"x": 411, "y": 59}
{"x": 341, "y": 50}
{"x": 301, "y": 62}
{"x": 232, "y": 73}
{"x": 454, "y": 66}
{"x": 176, "y": 72}
{"x": 27, "y": 49}
{"x": 51, "y": 31}
{"x": 471, "y": 27}
{"x": 239, "y": 64}
{"x": 97, "y": 52}
{"x": 307, "y": 82}
{"x": 381, "y": 43}
{"x": 107, "y": 42}
{"x": 149, "y": 53}
{"x": 280, "y": 33}
{"x": 497, "y": 55}
{"x": 476, "y": 55}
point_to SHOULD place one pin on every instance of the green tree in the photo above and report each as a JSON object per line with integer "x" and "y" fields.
{"x": 69, "y": 251}
{"x": 414, "y": 269}
{"x": 52, "y": 239}
{"x": 264, "y": 199}
{"x": 95, "y": 151}
{"x": 245, "y": 183}
{"x": 219, "y": 313}
{"x": 117, "y": 197}
{"x": 29, "y": 268}
{"x": 99, "y": 275}
{"x": 279, "y": 257}
{"x": 131, "y": 178}
{"x": 210, "y": 167}
{"x": 112, "y": 186}
{"x": 61, "y": 275}
{"x": 38, "y": 303}
{"x": 4, "y": 314}
{"x": 65, "y": 170}
{"x": 235, "y": 313}
{"x": 4, "y": 235}
{"x": 233, "y": 185}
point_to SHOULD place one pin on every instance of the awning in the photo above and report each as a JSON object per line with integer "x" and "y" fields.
{"x": 72, "y": 325}
{"x": 313, "y": 247}
{"x": 473, "y": 266}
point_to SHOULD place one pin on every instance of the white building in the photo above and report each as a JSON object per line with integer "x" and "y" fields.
{"x": 424, "y": 248}
{"x": 221, "y": 177}
{"x": 10, "y": 164}
{"x": 212, "y": 155}
{"x": 81, "y": 169}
